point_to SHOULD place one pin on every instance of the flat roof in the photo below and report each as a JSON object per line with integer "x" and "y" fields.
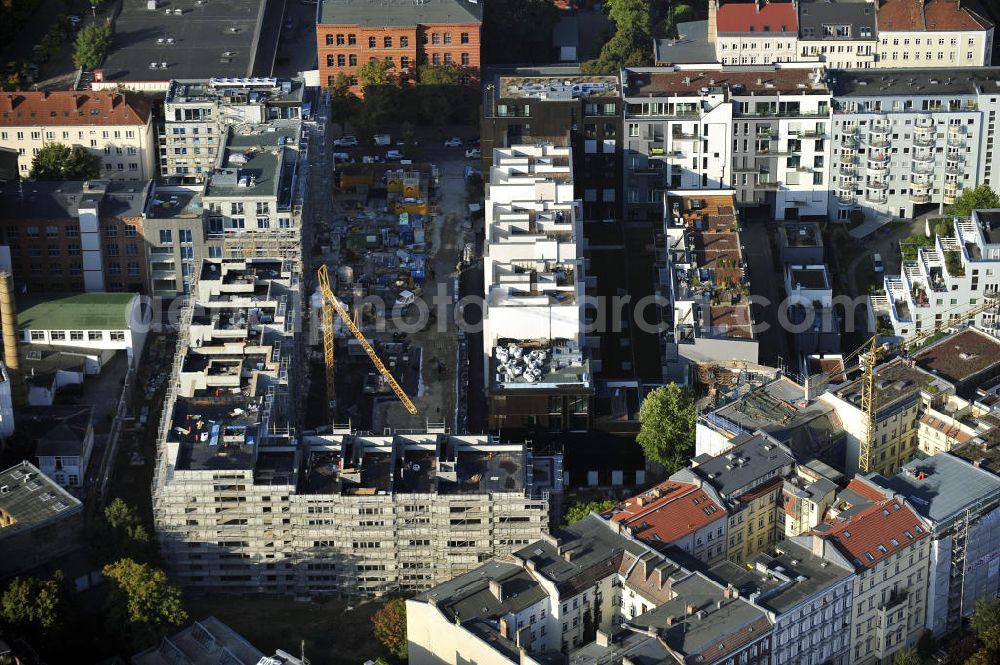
{"x": 394, "y": 13}
{"x": 29, "y": 498}
{"x": 774, "y": 408}
{"x": 216, "y": 38}
{"x": 941, "y": 486}
{"x": 961, "y": 356}
{"x": 259, "y": 175}
{"x": 690, "y": 47}
{"x": 265, "y": 90}
{"x": 752, "y": 459}
{"x": 215, "y": 432}
{"x": 557, "y": 88}
{"x": 174, "y": 204}
{"x": 801, "y": 234}
{"x": 643, "y": 81}
{"x": 895, "y": 381}
{"x": 79, "y": 311}
{"x": 784, "y": 578}
{"x": 809, "y": 277}
{"x": 916, "y": 82}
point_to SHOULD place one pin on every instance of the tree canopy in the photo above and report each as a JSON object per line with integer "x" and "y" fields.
{"x": 531, "y": 21}
{"x": 143, "y": 596}
{"x": 449, "y": 74}
{"x": 390, "y": 627}
{"x": 29, "y": 602}
{"x": 119, "y": 533}
{"x": 57, "y": 161}
{"x": 92, "y": 44}
{"x": 581, "y": 509}
{"x": 667, "y": 426}
{"x": 972, "y": 199}
{"x": 907, "y": 656}
{"x": 379, "y": 71}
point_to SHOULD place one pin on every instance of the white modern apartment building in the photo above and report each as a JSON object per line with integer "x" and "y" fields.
{"x": 842, "y": 34}
{"x": 907, "y": 140}
{"x": 535, "y": 274}
{"x": 764, "y": 132}
{"x": 115, "y": 126}
{"x": 933, "y": 33}
{"x": 198, "y": 113}
{"x": 959, "y": 272}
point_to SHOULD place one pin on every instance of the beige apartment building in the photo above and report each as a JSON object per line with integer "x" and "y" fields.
{"x": 932, "y": 33}
{"x": 115, "y": 126}
{"x": 889, "y": 545}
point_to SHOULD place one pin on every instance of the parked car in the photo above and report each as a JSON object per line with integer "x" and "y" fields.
{"x": 346, "y": 141}
{"x": 341, "y": 156}
{"x": 472, "y": 153}
{"x": 453, "y": 142}
{"x": 382, "y": 139}
{"x": 877, "y": 262}
{"x": 393, "y": 154}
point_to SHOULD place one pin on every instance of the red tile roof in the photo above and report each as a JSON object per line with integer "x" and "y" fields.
{"x": 949, "y": 430}
{"x": 866, "y": 490}
{"x": 669, "y": 511}
{"x": 778, "y": 17}
{"x": 916, "y": 15}
{"x": 70, "y": 107}
{"x": 877, "y": 532}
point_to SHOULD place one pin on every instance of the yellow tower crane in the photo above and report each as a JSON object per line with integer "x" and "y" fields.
{"x": 869, "y": 354}
{"x": 331, "y": 305}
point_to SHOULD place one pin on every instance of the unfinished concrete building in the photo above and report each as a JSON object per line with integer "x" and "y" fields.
{"x": 537, "y": 367}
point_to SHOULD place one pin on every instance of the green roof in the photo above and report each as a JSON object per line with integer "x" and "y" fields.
{"x": 79, "y": 311}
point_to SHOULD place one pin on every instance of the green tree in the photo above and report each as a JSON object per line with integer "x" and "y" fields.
{"x": 377, "y": 72}
{"x": 942, "y": 228}
{"x": 985, "y": 616}
{"x": 627, "y": 48}
{"x": 30, "y": 602}
{"x": 577, "y": 511}
{"x": 92, "y": 44}
{"x": 907, "y": 657}
{"x": 119, "y": 533}
{"x": 667, "y": 425}
{"x": 143, "y": 599}
{"x": 531, "y": 21}
{"x": 390, "y": 627}
{"x": 449, "y": 74}
{"x": 976, "y": 198}
{"x": 57, "y": 161}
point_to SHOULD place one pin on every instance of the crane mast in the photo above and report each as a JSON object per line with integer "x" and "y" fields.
{"x": 331, "y": 305}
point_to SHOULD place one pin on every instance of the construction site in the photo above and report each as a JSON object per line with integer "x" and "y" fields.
{"x": 390, "y": 254}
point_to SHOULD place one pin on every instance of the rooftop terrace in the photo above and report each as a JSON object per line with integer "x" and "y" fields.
{"x": 641, "y": 82}
{"x": 215, "y": 432}
{"x": 563, "y": 88}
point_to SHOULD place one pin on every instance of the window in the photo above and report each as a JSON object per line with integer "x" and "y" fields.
{"x": 447, "y": 38}
{"x": 436, "y": 59}
{"x": 166, "y": 236}
{"x": 76, "y": 335}
{"x": 404, "y": 62}
{"x": 465, "y": 59}
{"x": 37, "y": 335}
{"x": 95, "y": 335}
{"x": 404, "y": 42}
{"x": 352, "y": 60}
{"x": 464, "y": 38}
{"x": 371, "y": 42}
{"x": 387, "y": 42}
{"x": 435, "y": 38}
{"x": 447, "y": 58}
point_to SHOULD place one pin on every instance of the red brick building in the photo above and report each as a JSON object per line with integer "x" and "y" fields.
{"x": 411, "y": 33}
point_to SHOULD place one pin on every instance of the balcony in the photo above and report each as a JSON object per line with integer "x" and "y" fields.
{"x": 849, "y": 143}
{"x": 956, "y": 141}
{"x": 949, "y": 197}
{"x": 880, "y": 157}
{"x": 878, "y": 143}
{"x": 921, "y": 168}
{"x": 919, "y": 198}
{"x": 926, "y": 141}
{"x": 847, "y": 169}
{"x": 952, "y": 169}
{"x": 877, "y": 166}
{"x": 766, "y": 185}
{"x": 923, "y": 158}
{"x": 878, "y": 184}
{"x": 921, "y": 185}
{"x": 685, "y": 136}
{"x": 846, "y": 198}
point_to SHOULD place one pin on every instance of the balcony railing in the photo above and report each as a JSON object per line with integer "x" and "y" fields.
{"x": 923, "y": 141}
{"x": 878, "y": 167}
{"x": 878, "y": 185}
{"x": 846, "y": 198}
{"x": 927, "y": 158}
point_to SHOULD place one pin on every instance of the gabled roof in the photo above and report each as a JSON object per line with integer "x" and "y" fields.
{"x": 928, "y": 15}
{"x": 766, "y": 17}
{"x": 72, "y": 107}
{"x": 59, "y": 430}
{"x": 876, "y": 532}
{"x": 668, "y": 512}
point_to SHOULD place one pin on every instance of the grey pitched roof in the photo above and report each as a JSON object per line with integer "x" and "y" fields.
{"x": 752, "y": 460}
{"x": 60, "y": 431}
{"x": 855, "y": 13}
{"x": 379, "y": 13}
{"x": 939, "y": 488}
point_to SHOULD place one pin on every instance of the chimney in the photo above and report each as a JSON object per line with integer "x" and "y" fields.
{"x": 671, "y": 620}
{"x": 661, "y": 576}
{"x": 602, "y": 638}
{"x": 8, "y": 320}
{"x": 731, "y": 592}
{"x": 496, "y": 588}
{"x": 568, "y": 555}
{"x": 640, "y": 501}
{"x": 718, "y": 604}
{"x": 713, "y": 9}
{"x": 690, "y": 610}
{"x": 505, "y": 627}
